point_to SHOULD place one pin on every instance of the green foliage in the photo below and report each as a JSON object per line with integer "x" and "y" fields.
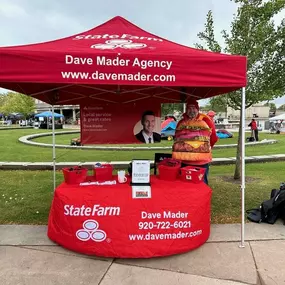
{"x": 169, "y": 108}
{"x": 254, "y": 34}
{"x": 2, "y": 100}
{"x": 208, "y": 35}
{"x": 206, "y": 108}
{"x": 219, "y": 103}
{"x": 17, "y": 103}
{"x": 282, "y": 108}
{"x": 272, "y": 106}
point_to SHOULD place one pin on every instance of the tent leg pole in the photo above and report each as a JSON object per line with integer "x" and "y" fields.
{"x": 53, "y": 149}
{"x": 243, "y": 171}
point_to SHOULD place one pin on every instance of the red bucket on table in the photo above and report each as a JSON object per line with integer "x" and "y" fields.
{"x": 169, "y": 169}
{"x": 193, "y": 174}
{"x": 74, "y": 175}
{"x": 103, "y": 172}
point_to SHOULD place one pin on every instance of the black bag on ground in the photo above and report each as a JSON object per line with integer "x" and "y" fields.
{"x": 270, "y": 210}
{"x": 250, "y": 139}
{"x": 254, "y": 215}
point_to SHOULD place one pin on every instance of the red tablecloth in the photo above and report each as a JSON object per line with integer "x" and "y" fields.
{"x": 107, "y": 221}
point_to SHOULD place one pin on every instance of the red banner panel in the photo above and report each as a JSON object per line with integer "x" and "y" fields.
{"x": 120, "y": 123}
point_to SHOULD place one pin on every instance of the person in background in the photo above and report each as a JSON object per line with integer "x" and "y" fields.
{"x": 147, "y": 134}
{"x": 195, "y": 137}
{"x": 211, "y": 114}
{"x": 254, "y": 129}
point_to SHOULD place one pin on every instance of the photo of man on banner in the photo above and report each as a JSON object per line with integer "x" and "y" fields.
{"x": 147, "y": 134}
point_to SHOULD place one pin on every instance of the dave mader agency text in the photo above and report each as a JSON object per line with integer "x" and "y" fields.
{"x": 105, "y": 61}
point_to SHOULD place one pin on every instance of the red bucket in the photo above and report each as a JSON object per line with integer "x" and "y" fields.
{"x": 169, "y": 169}
{"x": 103, "y": 172}
{"x": 74, "y": 175}
{"x": 193, "y": 174}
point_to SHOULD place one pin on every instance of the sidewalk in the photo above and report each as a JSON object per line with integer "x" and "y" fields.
{"x": 27, "y": 256}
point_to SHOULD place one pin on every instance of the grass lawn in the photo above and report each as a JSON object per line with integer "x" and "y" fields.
{"x": 12, "y": 150}
{"x": 25, "y": 196}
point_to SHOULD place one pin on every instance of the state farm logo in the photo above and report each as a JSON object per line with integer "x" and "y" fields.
{"x": 90, "y": 231}
{"x": 125, "y": 44}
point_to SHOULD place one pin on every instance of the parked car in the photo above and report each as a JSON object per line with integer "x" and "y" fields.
{"x": 23, "y": 123}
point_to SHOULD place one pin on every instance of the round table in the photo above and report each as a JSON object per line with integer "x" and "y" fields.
{"x": 104, "y": 220}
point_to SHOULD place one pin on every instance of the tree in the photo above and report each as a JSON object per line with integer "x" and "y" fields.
{"x": 281, "y": 108}
{"x": 206, "y": 108}
{"x": 169, "y": 108}
{"x": 253, "y": 34}
{"x": 18, "y": 103}
{"x": 272, "y": 106}
{"x": 219, "y": 103}
{"x": 2, "y": 100}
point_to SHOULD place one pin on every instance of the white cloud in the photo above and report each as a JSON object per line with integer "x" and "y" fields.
{"x": 11, "y": 11}
{"x": 53, "y": 20}
{"x": 48, "y": 20}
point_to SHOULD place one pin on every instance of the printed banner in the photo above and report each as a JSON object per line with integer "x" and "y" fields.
{"x": 120, "y": 123}
{"x": 106, "y": 221}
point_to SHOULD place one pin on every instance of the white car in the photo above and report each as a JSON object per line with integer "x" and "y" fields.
{"x": 23, "y": 123}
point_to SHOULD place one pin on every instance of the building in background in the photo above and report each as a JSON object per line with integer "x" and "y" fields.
{"x": 231, "y": 118}
{"x": 259, "y": 112}
{"x": 70, "y": 112}
{"x": 255, "y": 111}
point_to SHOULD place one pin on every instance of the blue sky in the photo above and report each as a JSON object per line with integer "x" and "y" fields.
{"x": 32, "y": 21}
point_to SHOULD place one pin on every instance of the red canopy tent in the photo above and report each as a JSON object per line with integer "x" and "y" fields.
{"x": 118, "y": 62}
{"x": 114, "y": 58}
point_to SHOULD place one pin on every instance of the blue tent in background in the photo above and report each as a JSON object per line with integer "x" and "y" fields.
{"x": 169, "y": 129}
{"x": 48, "y": 114}
{"x": 224, "y": 134}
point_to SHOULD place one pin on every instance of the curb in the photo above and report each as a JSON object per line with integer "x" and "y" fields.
{"x": 124, "y": 164}
{"x": 27, "y": 140}
{"x": 16, "y": 128}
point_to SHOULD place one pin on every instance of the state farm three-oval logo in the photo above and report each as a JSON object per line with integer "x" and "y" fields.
{"x": 91, "y": 231}
{"x": 125, "y": 44}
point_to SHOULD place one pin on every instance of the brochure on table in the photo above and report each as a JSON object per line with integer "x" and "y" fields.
{"x": 141, "y": 179}
{"x": 141, "y": 192}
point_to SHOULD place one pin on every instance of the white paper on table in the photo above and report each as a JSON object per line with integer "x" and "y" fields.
{"x": 140, "y": 171}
